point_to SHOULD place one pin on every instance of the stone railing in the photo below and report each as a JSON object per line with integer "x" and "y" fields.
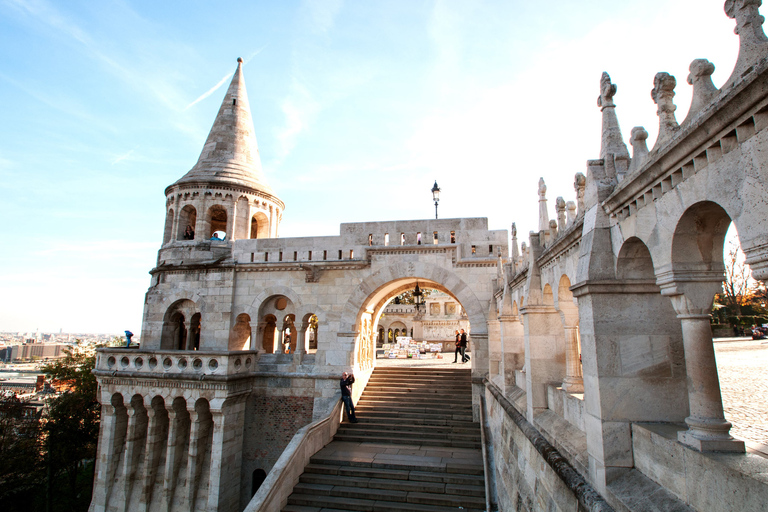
{"x": 178, "y": 363}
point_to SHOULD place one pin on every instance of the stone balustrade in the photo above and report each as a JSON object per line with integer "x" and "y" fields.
{"x": 183, "y": 363}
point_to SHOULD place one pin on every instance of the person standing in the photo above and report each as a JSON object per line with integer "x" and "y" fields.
{"x": 458, "y": 348}
{"x": 463, "y": 346}
{"x": 347, "y": 379}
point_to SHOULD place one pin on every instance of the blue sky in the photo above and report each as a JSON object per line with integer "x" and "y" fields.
{"x": 358, "y": 108}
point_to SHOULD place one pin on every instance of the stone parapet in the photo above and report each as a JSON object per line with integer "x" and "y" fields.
{"x": 190, "y": 364}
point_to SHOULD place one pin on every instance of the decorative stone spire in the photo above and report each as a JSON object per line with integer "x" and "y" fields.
{"x": 752, "y": 40}
{"x": 579, "y": 184}
{"x": 552, "y": 232}
{"x": 515, "y": 250}
{"x": 612, "y": 142}
{"x": 662, "y": 93}
{"x": 231, "y": 153}
{"x": 570, "y": 208}
{"x": 560, "y": 209}
{"x": 704, "y": 91}
{"x": 543, "y": 215}
{"x": 639, "y": 147}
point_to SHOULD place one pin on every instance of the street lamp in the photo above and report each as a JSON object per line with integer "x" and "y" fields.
{"x": 418, "y": 297}
{"x": 436, "y": 196}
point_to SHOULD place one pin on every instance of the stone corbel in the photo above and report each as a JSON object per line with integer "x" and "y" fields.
{"x": 312, "y": 273}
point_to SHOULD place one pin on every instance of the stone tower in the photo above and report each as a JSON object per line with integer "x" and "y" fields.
{"x": 225, "y": 191}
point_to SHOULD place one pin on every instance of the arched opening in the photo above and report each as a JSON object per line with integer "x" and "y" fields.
{"x": 168, "y": 231}
{"x": 310, "y": 333}
{"x": 259, "y": 225}
{"x": 240, "y": 335}
{"x": 217, "y": 219}
{"x": 268, "y": 340}
{"x": 187, "y": 221}
{"x": 257, "y": 478}
{"x": 176, "y": 329}
{"x": 194, "y": 332}
{"x": 696, "y": 277}
{"x": 430, "y": 335}
{"x": 569, "y": 314}
{"x": 288, "y": 334}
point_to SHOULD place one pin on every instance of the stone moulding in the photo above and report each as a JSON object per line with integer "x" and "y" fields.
{"x": 587, "y": 496}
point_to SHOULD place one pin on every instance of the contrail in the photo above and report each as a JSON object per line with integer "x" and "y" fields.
{"x": 210, "y": 91}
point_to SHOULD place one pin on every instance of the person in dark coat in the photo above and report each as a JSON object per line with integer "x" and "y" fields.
{"x": 347, "y": 379}
{"x": 458, "y": 348}
{"x": 463, "y": 346}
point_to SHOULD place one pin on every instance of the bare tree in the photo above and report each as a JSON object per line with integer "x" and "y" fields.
{"x": 738, "y": 286}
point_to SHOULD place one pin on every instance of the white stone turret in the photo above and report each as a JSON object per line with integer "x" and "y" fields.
{"x": 226, "y": 190}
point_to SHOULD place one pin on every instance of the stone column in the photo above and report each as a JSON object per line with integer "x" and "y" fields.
{"x": 193, "y": 464}
{"x": 257, "y": 340}
{"x": 513, "y": 349}
{"x": 301, "y": 343}
{"x": 156, "y": 440}
{"x": 177, "y": 434}
{"x": 114, "y": 422}
{"x": 134, "y": 442}
{"x": 707, "y": 428}
{"x": 231, "y": 221}
{"x": 228, "y": 416}
{"x": 544, "y": 354}
{"x": 573, "y": 382}
{"x": 494, "y": 343}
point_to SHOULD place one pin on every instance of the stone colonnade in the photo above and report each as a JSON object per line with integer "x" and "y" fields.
{"x": 180, "y": 452}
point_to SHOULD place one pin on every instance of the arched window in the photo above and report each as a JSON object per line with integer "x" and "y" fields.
{"x": 194, "y": 333}
{"x": 240, "y": 335}
{"x": 187, "y": 221}
{"x": 217, "y": 219}
{"x": 259, "y": 226}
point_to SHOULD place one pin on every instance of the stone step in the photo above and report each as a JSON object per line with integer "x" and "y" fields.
{"x": 405, "y": 394}
{"x": 400, "y": 464}
{"x": 373, "y": 416}
{"x": 315, "y": 494}
{"x": 396, "y": 474}
{"x": 423, "y": 441}
{"x": 464, "y": 489}
{"x": 393, "y": 407}
{"x": 380, "y": 428}
{"x": 385, "y": 423}
{"x": 376, "y": 506}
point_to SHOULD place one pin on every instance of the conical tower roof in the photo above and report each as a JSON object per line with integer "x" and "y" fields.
{"x": 231, "y": 153}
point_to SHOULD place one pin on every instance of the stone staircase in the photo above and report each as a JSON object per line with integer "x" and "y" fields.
{"x": 415, "y": 448}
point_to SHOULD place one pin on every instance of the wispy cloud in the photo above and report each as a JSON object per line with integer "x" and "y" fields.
{"x": 321, "y": 14}
{"x": 122, "y": 157}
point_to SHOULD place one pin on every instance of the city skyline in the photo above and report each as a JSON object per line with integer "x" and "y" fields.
{"x": 358, "y": 109}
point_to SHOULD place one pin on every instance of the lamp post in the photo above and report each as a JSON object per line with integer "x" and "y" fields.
{"x": 418, "y": 297}
{"x": 436, "y": 196}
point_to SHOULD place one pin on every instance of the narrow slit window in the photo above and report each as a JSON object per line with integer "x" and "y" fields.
{"x": 281, "y": 256}
{"x": 370, "y": 240}
{"x": 474, "y": 250}
{"x": 402, "y": 238}
{"x": 351, "y": 254}
{"x": 386, "y": 238}
{"x": 434, "y": 238}
{"x": 266, "y": 256}
{"x": 339, "y": 253}
{"x": 453, "y": 237}
{"x": 490, "y": 250}
{"x": 295, "y": 255}
{"x": 418, "y": 238}
{"x": 234, "y": 101}
{"x": 325, "y": 255}
{"x": 310, "y": 255}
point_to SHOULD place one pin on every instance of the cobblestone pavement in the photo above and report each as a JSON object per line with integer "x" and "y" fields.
{"x": 743, "y": 369}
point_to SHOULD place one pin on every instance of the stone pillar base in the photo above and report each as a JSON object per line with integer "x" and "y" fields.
{"x": 572, "y": 385}
{"x": 688, "y": 438}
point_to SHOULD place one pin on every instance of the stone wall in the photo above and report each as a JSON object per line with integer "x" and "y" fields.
{"x": 270, "y": 424}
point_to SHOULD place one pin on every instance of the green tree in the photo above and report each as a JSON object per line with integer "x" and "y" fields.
{"x": 21, "y": 470}
{"x": 71, "y": 430}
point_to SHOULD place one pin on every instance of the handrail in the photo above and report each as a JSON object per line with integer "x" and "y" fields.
{"x": 284, "y": 476}
{"x": 489, "y": 504}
